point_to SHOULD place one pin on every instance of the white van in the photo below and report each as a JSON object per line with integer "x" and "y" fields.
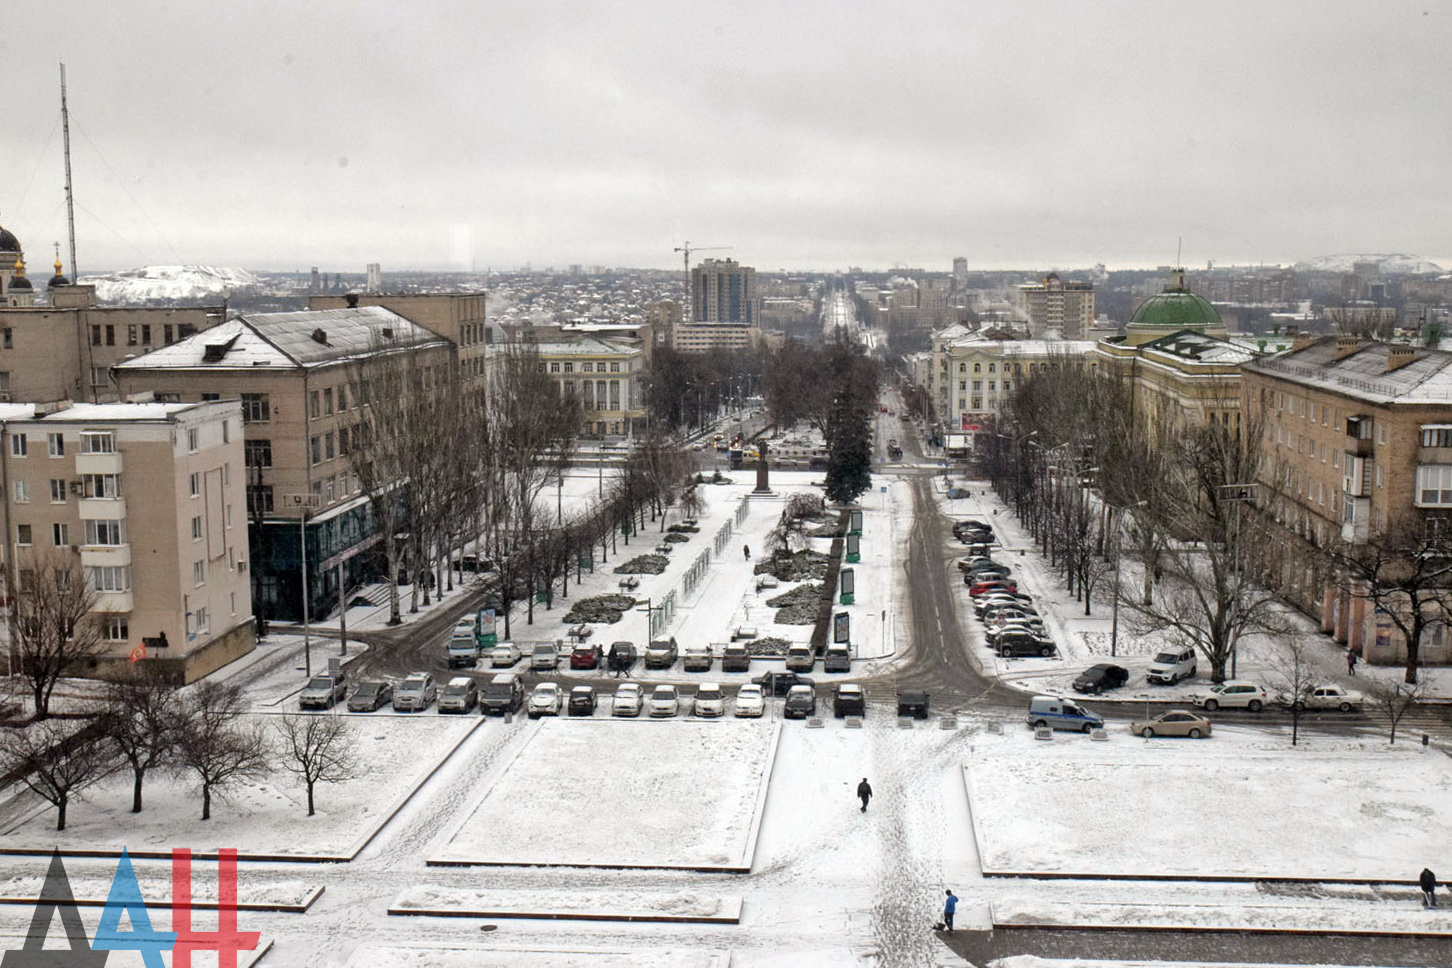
{"x": 1172, "y": 665}
{"x": 1057, "y": 713}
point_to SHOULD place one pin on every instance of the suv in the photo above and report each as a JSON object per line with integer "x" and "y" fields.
{"x": 912, "y": 702}
{"x": 323, "y": 691}
{"x": 463, "y": 646}
{"x": 848, "y": 700}
{"x": 1231, "y": 694}
{"x": 546, "y": 656}
{"x": 416, "y": 694}
{"x": 661, "y": 653}
{"x": 1171, "y": 666}
{"x": 800, "y": 658}
{"x": 504, "y": 694}
{"x": 582, "y": 701}
{"x": 1056, "y": 713}
{"x": 735, "y": 658}
{"x": 837, "y": 659}
{"x": 459, "y": 696}
{"x": 801, "y": 702}
{"x": 1022, "y": 643}
{"x": 621, "y": 656}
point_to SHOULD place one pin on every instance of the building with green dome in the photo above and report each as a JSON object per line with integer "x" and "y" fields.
{"x": 1173, "y": 310}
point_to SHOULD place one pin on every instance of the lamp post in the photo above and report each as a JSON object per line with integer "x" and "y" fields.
{"x": 303, "y": 502}
{"x": 1238, "y": 494}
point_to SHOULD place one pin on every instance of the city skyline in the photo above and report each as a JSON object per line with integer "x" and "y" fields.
{"x": 808, "y": 138}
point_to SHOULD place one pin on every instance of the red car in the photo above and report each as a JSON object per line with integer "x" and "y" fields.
{"x": 585, "y": 657}
{"x": 982, "y": 587}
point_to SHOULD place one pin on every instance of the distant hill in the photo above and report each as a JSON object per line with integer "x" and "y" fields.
{"x": 163, "y": 285}
{"x": 1391, "y": 265}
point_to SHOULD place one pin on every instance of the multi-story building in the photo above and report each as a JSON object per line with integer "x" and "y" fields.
{"x": 1057, "y": 309}
{"x": 61, "y": 346}
{"x": 1358, "y": 437}
{"x": 972, "y": 376}
{"x": 724, "y": 291}
{"x": 604, "y": 374}
{"x": 150, "y": 499}
{"x": 456, "y": 316}
{"x": 295, "y": 375}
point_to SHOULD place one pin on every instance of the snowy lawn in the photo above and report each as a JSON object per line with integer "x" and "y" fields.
{"x": 263, "y": 817}
{"x": 15, "y": 925}
{"x": 155, "y": 884}
{"x": 616, "y": 793}
{"x": 421, "y": 957}
{"x": 574, "y": 905}
{"x": 1240, "y": 804}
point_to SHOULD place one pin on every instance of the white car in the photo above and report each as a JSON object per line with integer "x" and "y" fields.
{"x": 664, "y": 701}
{"x": 416, "y": 693}
{"x": 627, "y": 701}
{"x": 504, "y": 655}
{"x": 1328, "y": 696}
{"x": 710, "y": 701}
{"x": 749, "y": 702}
{"x": 1231, "y": 694}
{"x": 544, "y": 701}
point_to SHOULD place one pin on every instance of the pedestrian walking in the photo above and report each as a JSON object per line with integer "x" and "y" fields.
{"x": 864, "y": 793}
{"x": 950, "y": 907}
{"x": 747, "y": 550}
{"x": 1350, "y": 663}
{"x": 1428, "y": 880}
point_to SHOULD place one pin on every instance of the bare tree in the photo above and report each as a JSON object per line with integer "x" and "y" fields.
{"x": 214, "y": 744}
{"x": 57, "y": 761}
{"x": 54, "y": 627}
{"x": 141, "y": 718}
{"x": 317, "y": 750}
{"x": 1396, "y": 699}
{"x": 1405, "y": 571}
{"x": 1297, "y": 676}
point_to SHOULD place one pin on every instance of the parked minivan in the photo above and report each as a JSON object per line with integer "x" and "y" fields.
{"x": 459, "y": 696}
{"x": 1057, "y": 713}
{"x": 504, "y": 694}
{"x": 1172, "y": 665}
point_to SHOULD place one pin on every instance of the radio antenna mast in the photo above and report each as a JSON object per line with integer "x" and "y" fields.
{"x": 70, "y": 196}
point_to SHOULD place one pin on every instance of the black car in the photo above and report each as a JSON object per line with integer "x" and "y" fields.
{"x": 370, "y": 696}
{"x": 621, "y": 656}
{"x": 1098, "y": 678}
{"x": 1023, "y": 643}
{"x": 780, "y": 683}
{"x": 801, "y": 702}
{"x": 582, "y": 701}
{"x": 848, "y": 700}
{"x": 912, "y": 702}
{"x": 971, "y": 524}
{"x": 976, "y": 538}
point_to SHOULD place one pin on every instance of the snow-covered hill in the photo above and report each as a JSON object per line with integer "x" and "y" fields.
{"x": 1389, "y": 264}
{"x": 151, "y": 285}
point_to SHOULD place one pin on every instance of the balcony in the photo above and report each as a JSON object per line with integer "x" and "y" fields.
{"x": 98, "y": 463}
{"x": 103, "y": 508}
{"x": 113, "y": 602}
{"x": 1355, "y": 516}
{"x": 102, "y": 556}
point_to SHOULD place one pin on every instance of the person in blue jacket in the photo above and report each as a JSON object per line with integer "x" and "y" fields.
{"x": 950, "y": 906}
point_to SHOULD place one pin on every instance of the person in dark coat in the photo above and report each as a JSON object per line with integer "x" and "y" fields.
{"x": 950, "y": 907}
{"x": 1350, "y": 663}
{"x": 864, "y": 792}
{"x": 1428, "y": 881}
{"x": 746, "y": 549}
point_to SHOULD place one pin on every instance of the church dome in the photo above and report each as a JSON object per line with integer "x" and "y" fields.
{"x": 8, "y": 241}
{"x": 1176, "y": 308}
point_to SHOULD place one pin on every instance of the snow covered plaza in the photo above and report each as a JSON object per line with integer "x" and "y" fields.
{"x": 602, "y": 842}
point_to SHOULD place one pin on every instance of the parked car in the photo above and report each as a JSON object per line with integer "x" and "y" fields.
{"x": 582, "y": 701}
{"x": 473, "y": 563}
{"x": 997, "y": 616}
{"x": 968, "y": 524}
{"x": 735, "y": 658}
{"x": 1172, "y": 665}
{"x": 801, "y": 702}
{"x": 504, "y": 655}
{"x": 709, "y": 701}
{"x": 661, "y": 654}
{"x": 1231, "y": 694}
{"x": 780, "y": 683}
{"x": 621, "y": 656}
{"x": 1328, "y": 696}
{"x": 459, "y": 695}
{"x": 665, "y": 701}
{"x": 1174, "y": 722}
{"x": 1057, "y": 713}
{"x": 370, "y": 696}
{"x": 585, "y": 656}
{"x": 801, "y": 658}
{"x": 463, "y": 648}
{"x": 545, "y": 656}
{"x": 969, "y": 562}
{"x": 627, "y": 700}
{"x": 417, "y": 693}
{"x": 503, "y": 694}
{"x": 544, "y": 700}
{"x": 912, "y": 702}
{"x": 750, "y": 703}
{"x": 985, "y": 603}
{"x": 1097, "y": 678}
{"x": 1019, "y": 644}
{"x": 978, "y": 586}
{"x": 322, "y": 692}
{"x": 697, "y": 658}
{"x": 848, "y": 699}
{"x": 837, "y": 658}
{"x": 986, "y": 571}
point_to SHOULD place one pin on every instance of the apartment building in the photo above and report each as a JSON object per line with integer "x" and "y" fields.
{"x": 604, "y": 374}
{"x": 456, "y": 316}
{"x": 973, "y": 376}
{"x": 150, "y": 499}
{"x": 295, "y": 375}
{"x": 1358, "y": 436}
{"x": 1057, "y": 309}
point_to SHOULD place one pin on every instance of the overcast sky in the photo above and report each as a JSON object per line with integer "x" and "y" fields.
{"x": 812, "y": 134}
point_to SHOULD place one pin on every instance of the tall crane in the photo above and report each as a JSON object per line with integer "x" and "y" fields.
{"x": 685, "y": 248}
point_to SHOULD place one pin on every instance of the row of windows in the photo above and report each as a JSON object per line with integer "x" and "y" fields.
{"x": 90, "y": 486}
{"x": 98, "y": 532}
{"x": 92, "y": 442}
{"x": 261, "y": 500}
{"x": 555, "y": 367}
{"x": 137, "y": 334}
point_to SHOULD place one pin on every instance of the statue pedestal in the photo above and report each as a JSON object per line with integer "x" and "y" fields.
{"x": 763, "y": 485}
